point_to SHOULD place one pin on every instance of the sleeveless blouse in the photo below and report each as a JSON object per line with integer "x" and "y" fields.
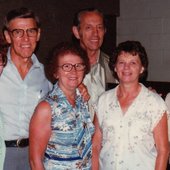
{"x": 70, "y": 144}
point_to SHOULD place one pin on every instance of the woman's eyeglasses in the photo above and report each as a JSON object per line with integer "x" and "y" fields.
{"x": 68, "y": 67}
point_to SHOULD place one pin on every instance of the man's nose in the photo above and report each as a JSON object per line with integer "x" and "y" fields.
{"x": 95, "y": 30}
{"x": 25, "y": 36}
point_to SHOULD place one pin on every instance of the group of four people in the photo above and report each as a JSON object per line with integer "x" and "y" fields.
{"x": 55, "y": 120}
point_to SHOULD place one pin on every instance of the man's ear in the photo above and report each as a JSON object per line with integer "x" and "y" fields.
{"x": 38, "y": 35}
{"x": 7, "y": 37}
{"x": 142, "y": 70}
{"x": 115, "y": 69}
{"x": 55, "y": 75}
{"x": 75, "y": 32}
{"x": 105, "y": 30}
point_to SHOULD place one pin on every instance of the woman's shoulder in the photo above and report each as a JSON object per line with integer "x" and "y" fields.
{"x": 109, "y": 93}
{"x": 43, "y": 105}
{"x": 107, "y": 97}
{"x": 151, "y": 94}
{"x": 167, "y": 100}
{"x": 152, "y": 99}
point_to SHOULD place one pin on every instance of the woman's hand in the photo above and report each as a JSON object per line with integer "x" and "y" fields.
{"x": 84, "y": 92}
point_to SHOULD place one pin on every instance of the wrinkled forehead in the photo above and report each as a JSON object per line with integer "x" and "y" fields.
{"x": 22, "y": 23}
{"x": 91, "y": 15}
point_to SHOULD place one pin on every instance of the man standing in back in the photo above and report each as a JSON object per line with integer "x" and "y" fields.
{"x": 89, "y": 28}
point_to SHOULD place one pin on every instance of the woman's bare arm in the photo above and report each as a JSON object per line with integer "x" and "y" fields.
{"x": 162, "y": 145}
{"x": 39, "y": 134}
{"x": 96, "y": 144}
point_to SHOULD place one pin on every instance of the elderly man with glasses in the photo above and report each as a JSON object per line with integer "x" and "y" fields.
{"x": 2, "y": 65}
{"x": 22, "y": 84}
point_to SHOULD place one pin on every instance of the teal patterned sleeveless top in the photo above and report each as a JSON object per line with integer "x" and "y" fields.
{"x": 70, "y": 144}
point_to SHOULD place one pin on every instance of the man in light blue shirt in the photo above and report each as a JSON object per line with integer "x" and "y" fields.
{"x": 22, "y": 85}
{"x": 2, "y": 64}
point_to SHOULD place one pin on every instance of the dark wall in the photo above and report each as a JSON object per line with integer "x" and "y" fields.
{"x": 56, "y": 19}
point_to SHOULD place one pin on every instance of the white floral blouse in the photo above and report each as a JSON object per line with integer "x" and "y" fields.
{"x": 128, "y": 142}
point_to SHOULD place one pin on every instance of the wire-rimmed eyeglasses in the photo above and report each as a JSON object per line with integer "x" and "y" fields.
{"x": 68, "y": 67}
{"x": 18, "y": 33}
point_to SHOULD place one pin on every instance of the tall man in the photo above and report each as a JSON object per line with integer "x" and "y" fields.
{"x": 22, "y": 84}
{"x": 89, "y": 28}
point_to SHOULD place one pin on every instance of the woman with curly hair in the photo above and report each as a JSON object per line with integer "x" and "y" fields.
{"x": 61, "y": 129}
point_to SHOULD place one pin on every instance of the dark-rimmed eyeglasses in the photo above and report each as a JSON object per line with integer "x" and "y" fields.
{"x": 18, "y": 33}
{"x": 68, "y": 67}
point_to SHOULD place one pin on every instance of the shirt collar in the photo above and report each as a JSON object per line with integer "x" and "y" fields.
{"x": 98, "y": 59}
{"x": 62, "y": 96}
{"x": 35, "y": 61}
{"x": 98, "y": 56}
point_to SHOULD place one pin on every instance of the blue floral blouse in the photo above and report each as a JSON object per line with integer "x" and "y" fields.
{"x": 70, "y": 145}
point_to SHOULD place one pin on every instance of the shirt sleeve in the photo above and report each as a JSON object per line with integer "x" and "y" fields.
{"x": 157, "y": 109}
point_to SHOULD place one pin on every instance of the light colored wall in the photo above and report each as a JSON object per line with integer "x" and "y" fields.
{"x": 148, "y": 21}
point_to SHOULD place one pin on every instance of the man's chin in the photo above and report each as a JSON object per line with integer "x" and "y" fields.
{"x": 94, "y": 47}
{"x": 27, "y": 55}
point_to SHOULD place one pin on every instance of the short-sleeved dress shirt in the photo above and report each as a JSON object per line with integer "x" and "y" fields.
{"x": 128, "y": 142}
{"x": 19, "y": 97}
{"x": 97, "y": 79}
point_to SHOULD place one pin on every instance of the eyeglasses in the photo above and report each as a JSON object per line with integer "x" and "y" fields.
{"x": 68, "y": 67}
{"x": 18, "y": 33}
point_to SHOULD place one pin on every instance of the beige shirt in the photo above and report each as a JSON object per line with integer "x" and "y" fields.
{"x": 96, "y": 80}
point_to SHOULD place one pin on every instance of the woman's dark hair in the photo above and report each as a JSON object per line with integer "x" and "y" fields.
{"x": 134, "y": 48}
{"x": 60, "y": 50}
{"x": 3, "y": 49}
